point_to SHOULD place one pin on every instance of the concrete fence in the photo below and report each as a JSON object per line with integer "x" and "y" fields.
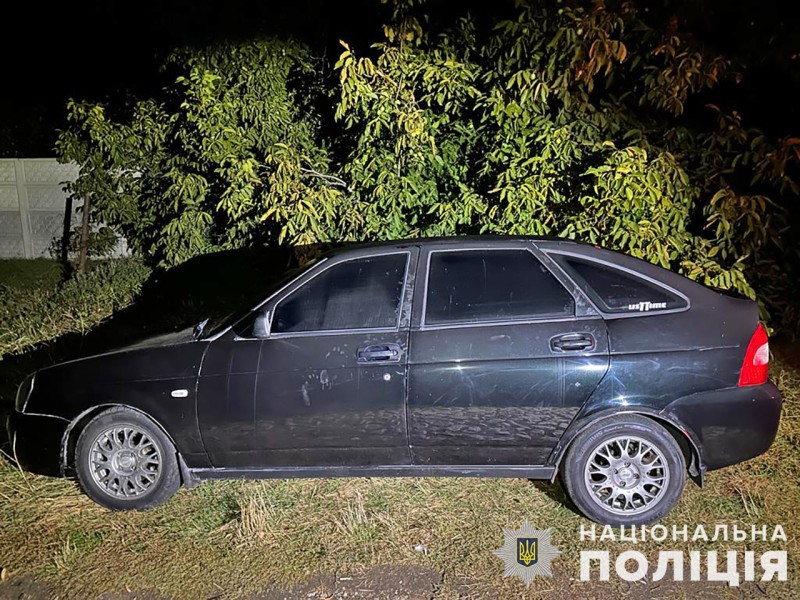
{"x": 32, "y": 205}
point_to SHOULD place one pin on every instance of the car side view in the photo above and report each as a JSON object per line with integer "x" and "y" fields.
{"x": 472, "y": 356}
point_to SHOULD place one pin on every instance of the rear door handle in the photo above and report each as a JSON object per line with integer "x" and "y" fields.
{"x": 571, "y": 342}
{"x": 379, "y": 353}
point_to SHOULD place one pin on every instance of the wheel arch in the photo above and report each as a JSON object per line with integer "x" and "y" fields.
{"x": 683, "y": 437}
{"x": 76, "y": 425}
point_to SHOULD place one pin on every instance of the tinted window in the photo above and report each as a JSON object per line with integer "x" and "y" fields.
{"x": 357, "y": 294}
{"x": 618, "y": 291}
{"x": 470, "y": 286}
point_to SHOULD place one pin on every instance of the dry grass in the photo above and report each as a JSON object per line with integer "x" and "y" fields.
{"x": 239, "y": 537}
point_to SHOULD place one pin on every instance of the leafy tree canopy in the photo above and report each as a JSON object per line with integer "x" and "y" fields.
{"x": 574, "y": 119}
{"x": 215, "y": 163}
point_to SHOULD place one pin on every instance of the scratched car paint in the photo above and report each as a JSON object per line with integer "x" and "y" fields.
{"x": 481, "y": 356}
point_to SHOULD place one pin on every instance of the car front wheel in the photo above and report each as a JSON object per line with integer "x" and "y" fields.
{"x": 125, "y": 462}
{"x": 624, "y": 471}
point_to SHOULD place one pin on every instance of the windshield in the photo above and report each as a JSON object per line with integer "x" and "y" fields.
{"x": 217, "y": 324}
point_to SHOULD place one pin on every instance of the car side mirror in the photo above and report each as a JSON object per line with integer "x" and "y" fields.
{"x": 261, "y": 325}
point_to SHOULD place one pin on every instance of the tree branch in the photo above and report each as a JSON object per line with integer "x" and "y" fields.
{"x": 328, "y": 179}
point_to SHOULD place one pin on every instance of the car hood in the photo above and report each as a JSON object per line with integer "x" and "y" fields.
{"x": 160, "y": 343}
{"x": 164, "y": 339}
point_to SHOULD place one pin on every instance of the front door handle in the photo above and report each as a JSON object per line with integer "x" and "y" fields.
{"x": 379, "y": 353}
{"x": 571, "y": 342}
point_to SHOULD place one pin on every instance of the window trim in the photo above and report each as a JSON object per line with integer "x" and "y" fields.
{"x": 560, "y": 257}
{"x": 278, "y": 299}
{"x": 552, "y": 317}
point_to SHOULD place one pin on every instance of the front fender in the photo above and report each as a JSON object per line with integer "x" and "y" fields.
{"x": 160, "y": 382}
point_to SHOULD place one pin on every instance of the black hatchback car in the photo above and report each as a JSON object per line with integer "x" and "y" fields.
{"x": 496, "y": 357}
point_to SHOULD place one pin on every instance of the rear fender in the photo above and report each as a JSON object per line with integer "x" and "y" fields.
{"x": 685, "y": 437}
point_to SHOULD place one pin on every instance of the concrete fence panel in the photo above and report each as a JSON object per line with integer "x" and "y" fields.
{"x": 32, "y": 205}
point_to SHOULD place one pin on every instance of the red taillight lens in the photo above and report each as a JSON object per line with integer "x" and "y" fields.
{"x": 755, "y": 368}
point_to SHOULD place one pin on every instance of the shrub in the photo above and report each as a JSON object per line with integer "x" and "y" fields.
{"x": 31, "y": 316}
{"x": 194, "y": 170}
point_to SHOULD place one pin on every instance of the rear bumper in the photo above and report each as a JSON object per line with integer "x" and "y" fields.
{"x": 36, "y": 442}
{"x": 731, "y": 425}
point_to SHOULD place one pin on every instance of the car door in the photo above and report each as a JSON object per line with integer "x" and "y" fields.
{"x": 500, "y": 360}
{"x": 320, "y": 380}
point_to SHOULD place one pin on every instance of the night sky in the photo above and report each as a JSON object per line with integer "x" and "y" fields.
{"x": 108, "y": 49}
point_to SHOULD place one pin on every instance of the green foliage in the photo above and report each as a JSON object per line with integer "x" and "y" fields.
{"x": 16, "y": 273}
{"x": 202, "y": 169}
{"x": 35, "y": 314}
{"x": 580, "y": 121}
{"x": 566, "y": 123}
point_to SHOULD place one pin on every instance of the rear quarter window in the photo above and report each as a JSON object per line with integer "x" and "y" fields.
{"x": 618, "y": 291}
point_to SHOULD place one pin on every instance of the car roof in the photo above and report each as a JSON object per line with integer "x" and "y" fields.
{"x": 453, "y": 240}
{"x": 548, "y": 244}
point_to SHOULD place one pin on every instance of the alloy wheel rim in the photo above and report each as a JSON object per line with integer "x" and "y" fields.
{"x": 125, "y": 461}
{"x": 626, "y": 475}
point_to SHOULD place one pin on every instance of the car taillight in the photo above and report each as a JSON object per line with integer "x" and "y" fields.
{"x": 755, "y": 368}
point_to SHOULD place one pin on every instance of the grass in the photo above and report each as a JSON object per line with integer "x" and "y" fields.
{"x": 226, "y": 539}
{"x": 29, "y": 273}
{"x": 241, "y": 537}
{"x": 38, "y": 307}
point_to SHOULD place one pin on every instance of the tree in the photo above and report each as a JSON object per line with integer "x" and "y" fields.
{"x": 568, "y": 122}
{"x": 232, "y": 147}
{"x": 577, "y": 119}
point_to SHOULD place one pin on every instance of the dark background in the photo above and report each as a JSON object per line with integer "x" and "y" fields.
{"x": 107, "y": 50}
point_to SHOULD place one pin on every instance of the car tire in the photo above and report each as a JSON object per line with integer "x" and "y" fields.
{"x": 124, "y": 461}
{"x": 624, "y": 471}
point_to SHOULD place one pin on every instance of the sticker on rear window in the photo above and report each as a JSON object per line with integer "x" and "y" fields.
{"x": 645, "y": 306}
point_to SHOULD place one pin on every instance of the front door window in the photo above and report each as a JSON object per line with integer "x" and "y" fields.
{"x": 357, "y": 294}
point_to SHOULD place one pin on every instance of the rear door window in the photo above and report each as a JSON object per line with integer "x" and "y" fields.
{"x": 617, "y": 291}
{"x": 492, "y": 285}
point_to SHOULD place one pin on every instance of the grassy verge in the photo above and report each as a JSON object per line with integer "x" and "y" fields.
{"x": 230, "y": 538}
{"x": 35, "y": 307}
{"x": 29, "y": 273}
{"x": 240, "y": 537}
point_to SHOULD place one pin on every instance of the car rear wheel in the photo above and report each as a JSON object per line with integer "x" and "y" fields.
{"x": 624, "y": 471}
{"x": 125, "y": 462}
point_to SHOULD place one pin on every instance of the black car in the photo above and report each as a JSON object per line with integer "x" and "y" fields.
{"x": 493, "y": 357}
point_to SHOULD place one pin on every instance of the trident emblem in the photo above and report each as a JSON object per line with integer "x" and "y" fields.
{"x": 527, "y": 554}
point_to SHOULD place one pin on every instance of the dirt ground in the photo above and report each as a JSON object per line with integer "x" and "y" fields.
{"x": 400, "y": 582}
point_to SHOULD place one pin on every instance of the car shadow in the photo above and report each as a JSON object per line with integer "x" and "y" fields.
{"x": 212, "y": 285}
{"x": 555, "y": 491}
